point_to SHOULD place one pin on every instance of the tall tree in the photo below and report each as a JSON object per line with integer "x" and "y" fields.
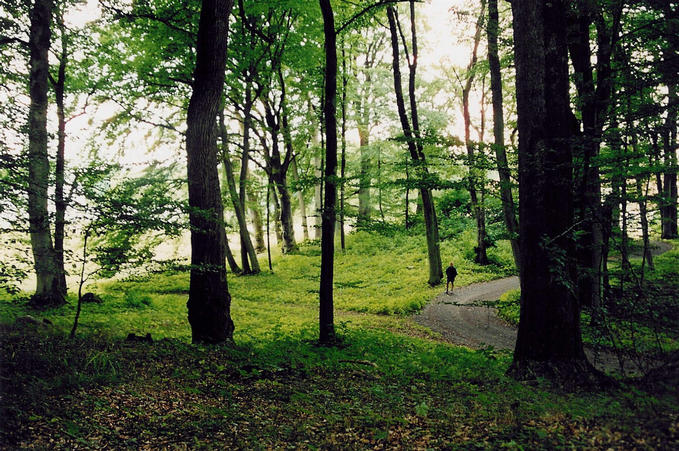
{"x": 209, "y": 301}
{"x": 48, "y": 289}
{"x": 475, "y": 174}
{"x": 506, "y": 196}
{"x": 549, "y": 340}
{"x": 328, "y": 219}
{"x": 413, "y": 138}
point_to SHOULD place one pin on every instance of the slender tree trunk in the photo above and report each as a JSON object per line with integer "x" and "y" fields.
{"x": 251, "y": 266}
{"x": 256, "y": 215}
{"x": 318, "y": 190}
{"x": 343, "y": 163}
{"x": 233, "y": 264}
{"x": 209, "y": 301}
{"x": 414, "y": 141}
{"x": 294, "y": 172}
{"x": 508, "y": 208}
{"x": 475, "y": 174}
{"x": 326, "y": 313}
{"x": 276, "y": 214}
{"x": 549, "y": 340}
{"x": 243, "y": 176}
{"x": 48, "y": 290}
{"x": 669, "y": 219}
{"x": 643, "y": 217}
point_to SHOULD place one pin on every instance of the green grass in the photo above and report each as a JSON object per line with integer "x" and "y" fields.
{"x": 390, "y": 384}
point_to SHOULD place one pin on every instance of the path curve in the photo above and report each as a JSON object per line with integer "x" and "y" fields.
{"x": 462, "y": 319}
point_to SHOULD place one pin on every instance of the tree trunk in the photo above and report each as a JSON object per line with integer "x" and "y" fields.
{"x": 233, "y": 264}
{"x": 549, "y": 340}
{"x": 59, "y": 179}
{"x": 209, "y": 301}
{"x": 250, "y": 263}
{"x": 475, "y": 174}
{"x": 669, "y": 219}
{"x": 414, "y": 141}
{"x": 343, "y": 163}
{"x": 643, "y": 217}
{"x": 300, "y": 198}
{"x": 326, "y": 314}
{"x": 256, "y": 215}
{"x": 279, "y": 171}
{"x": 49, "y": 291}
{"x": 318, "y": 190}
{"x": 243, "y": 176}
{"x": 508, "y": 208}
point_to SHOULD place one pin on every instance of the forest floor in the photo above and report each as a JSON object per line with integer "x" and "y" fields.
{"x": 467, "y": 316}
{"x": 389, "y": 383}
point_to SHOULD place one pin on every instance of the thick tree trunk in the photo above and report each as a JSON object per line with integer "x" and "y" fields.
{"x": 250, "y": 263}
{"x": 549, "y": 341}
{"x": 506, "y": 196}
{"x": 414, "y": 142}
{"x": 49, "y": 290}
{"x": 209, "y": 301}
{"x": 326, "y": 313}
{"x": 592, "y": 103}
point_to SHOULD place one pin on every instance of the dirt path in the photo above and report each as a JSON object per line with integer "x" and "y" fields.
{"x": 462, "y": 318}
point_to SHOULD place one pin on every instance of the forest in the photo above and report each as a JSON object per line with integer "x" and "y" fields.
{"x": 339, "y": 224}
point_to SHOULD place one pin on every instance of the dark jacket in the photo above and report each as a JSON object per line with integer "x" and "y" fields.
{"x": 451, "y": 272}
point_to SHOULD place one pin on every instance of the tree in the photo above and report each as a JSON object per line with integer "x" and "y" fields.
{"x": 48, "y": 289}
{"x": 209, "y": 301}
{"x": 328, "y": 219}
{"x": 414, "y": 139}
{"x": 508, "y": 208}
{"x": 474, "y": 176}
{"x": 549, "y": 340}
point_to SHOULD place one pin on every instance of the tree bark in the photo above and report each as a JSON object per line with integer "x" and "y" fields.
{"x": 474, "y": 173}
{"x": 326, "y": 314}
{"x": 279, "y": 170}
{"x": 508, "y": 208}
{"x": 59, "y": 178}
{"x": 549, "y": 340}
{"x": 49, "y": 291}
{"x": 250, "y": 263}
{"x": 256, "y": 215}
{"x": 300, "y": 198}
{"x": 209, "y": 301}
{"x": 414, "y": 142}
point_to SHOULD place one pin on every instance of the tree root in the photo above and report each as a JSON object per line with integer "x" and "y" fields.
{"x": 571, "y": 374}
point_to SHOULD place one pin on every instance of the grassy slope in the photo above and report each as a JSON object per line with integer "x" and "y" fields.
{"x": 391, "y": 385}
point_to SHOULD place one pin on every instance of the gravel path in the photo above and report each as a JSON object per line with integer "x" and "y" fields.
{"x": 463, "y": 319}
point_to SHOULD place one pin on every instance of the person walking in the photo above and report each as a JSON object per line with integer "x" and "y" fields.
{"x": 451, "y": 273}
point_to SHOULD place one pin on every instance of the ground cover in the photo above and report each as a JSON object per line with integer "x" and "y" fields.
{"x": 392, "y": 383}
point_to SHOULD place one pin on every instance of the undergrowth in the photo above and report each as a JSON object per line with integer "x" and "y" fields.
{"x": 391, "y": 383}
